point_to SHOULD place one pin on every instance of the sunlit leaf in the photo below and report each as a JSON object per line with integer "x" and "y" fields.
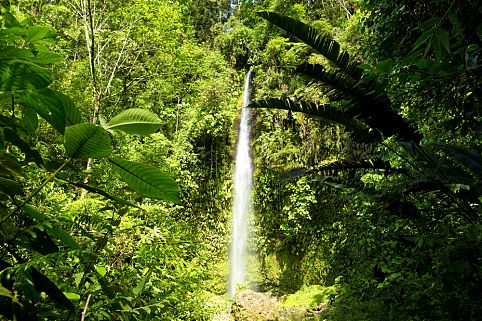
{"x": 101, "y": 270}
{"x": 72, "y": 296}
{"x": 87, "y": 140}
{"x": 135, "y": 121}
{"x": 45, "y": 56}
{"x": 146, "y": 180}
{"x": 140, "y": 287}
{"x": 72, "y": 113}
{"x": 16, "y": 53}
{"x": 9, "y": 165}
{"x": 5, "y": 292}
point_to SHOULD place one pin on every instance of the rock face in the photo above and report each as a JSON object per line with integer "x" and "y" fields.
{"x": 252, "y": 306}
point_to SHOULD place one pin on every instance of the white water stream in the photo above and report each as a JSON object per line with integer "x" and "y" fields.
{"x": 243, "y": 176}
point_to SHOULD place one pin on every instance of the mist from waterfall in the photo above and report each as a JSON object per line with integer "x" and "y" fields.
{"x": 243, "y": 176}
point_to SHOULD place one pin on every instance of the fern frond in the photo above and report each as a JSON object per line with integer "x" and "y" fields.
{"x": 324, "y": 44}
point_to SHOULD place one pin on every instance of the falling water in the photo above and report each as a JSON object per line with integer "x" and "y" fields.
{"x": 243, "y": 173}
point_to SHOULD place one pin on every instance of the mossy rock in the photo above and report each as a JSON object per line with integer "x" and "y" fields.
{"x": 252, "y": 306}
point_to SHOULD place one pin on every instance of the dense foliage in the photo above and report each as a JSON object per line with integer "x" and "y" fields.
{"x": 390, "y": 208}
{"x": 76, "y": 242}
{"x": 117, "y": 130}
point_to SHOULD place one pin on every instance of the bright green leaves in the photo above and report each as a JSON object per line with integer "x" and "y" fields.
{"x": 93, "y": 141}
{"x": 17, "y": 75}
{"x": 146, "y": 180}
{"x": 72, "y": 296}
{"x": 135, "y": 121}
{"x": 72, "y": 113}
{"x": 87, "y": 141}
{"x": 101, "y": 270}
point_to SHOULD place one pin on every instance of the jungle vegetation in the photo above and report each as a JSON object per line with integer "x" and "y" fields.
{"x": 118, "y": 127}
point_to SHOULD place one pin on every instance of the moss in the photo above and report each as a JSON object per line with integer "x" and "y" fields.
{"x": 308, "y": 297}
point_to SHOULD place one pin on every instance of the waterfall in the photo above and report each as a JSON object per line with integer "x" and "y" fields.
{"x": 243, "y": 173}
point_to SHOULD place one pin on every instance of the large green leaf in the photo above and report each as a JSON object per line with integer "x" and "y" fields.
{"x": 47, "y": 104}
{"x": 72, "y": 113}
{"x": 56, "y": 108}
{"x": 366, "y": 94}
{"x": 17, "y": 75}
{"x": 146, "y": 180}
{"x": 6, "y": 292}
{"x": 30, "y": 153}
{"x": 135, "y": 121}
{"x": 87, "y": 141}
{"x": 29, "y": 120}
{"x": 10, "y": 187}
{"x": 16, "y": 53}
{"x": 44, "y": 284}
{"x": 312, "y": 37}
{"x": 33, "y": 35}
{"x": 326, "y": 112}
{"x": 9, "y": 165}
{"x": 101, "y": 192}
{"x": 42, "y": 55}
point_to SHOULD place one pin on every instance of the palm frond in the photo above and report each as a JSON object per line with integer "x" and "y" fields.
{"x": 336, "y": 181}
{"x": 324, "y": 44}
{"x": 347, "y": 85}
{"x": 471, "y": 160}
{"x": 326, "y": 112}
{"x": 376, "y": 164}
{"x": 367, "y": 103}
{"x": 338, "y": 165}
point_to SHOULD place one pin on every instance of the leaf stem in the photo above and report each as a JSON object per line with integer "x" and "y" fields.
{"x": 36, "y": 191}
{"x": 85, "y": 307}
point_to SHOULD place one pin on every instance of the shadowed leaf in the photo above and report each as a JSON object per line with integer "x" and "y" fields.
{"x": 18, "y": 75}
